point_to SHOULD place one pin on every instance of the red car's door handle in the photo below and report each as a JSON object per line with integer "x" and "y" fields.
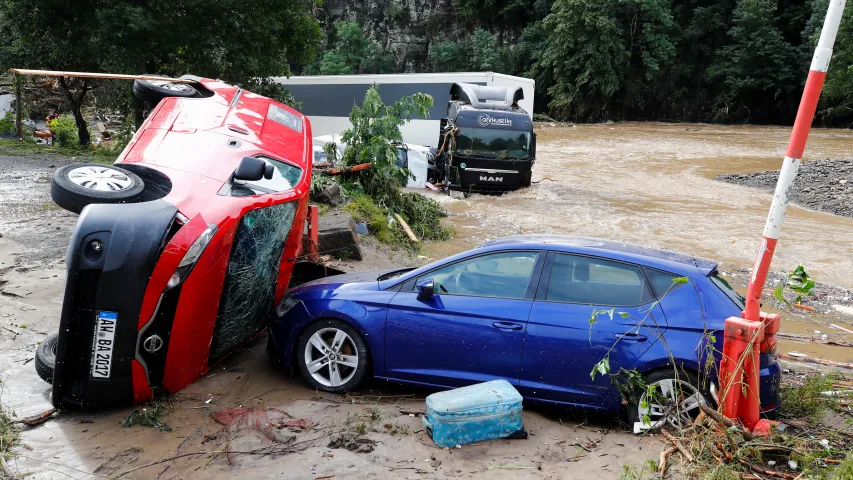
{"x": 632, "y": 337}
{"x": 507, "y": 326}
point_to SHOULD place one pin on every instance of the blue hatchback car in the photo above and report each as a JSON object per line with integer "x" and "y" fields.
{"x": 541, "y": 312}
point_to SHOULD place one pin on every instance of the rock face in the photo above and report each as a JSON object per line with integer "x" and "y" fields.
{"x": 825, "y": 185}
{"x": 405, "y": 28}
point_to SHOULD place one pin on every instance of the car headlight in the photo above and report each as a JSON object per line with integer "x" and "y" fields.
{"x": 191, "y": 257}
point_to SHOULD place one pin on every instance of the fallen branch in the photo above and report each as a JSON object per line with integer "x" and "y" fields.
{"x": 818, "y": 361}
{"x": 764, "y": 471}
{"x": 807, "y": 308}
{"x": 37, "y": 419}
{"x": 406, "y": 228}
{"x": 728, "y": 423}
{"x": 678, "y": 445}
{"x": 352, "y": 169}
{"x": 663, "y": 455}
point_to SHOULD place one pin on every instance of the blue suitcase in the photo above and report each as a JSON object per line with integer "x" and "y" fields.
{"x": 484, "y": 411}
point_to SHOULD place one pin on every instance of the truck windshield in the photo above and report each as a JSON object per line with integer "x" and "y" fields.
{"x": 493, "y": 143}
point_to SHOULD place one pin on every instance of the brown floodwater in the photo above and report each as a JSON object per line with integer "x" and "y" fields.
{"x": 652, "y": 184}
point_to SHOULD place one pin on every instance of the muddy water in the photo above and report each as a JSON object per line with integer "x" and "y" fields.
{"x": 652, "y": 184}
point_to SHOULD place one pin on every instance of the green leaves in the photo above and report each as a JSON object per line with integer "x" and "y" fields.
{"x": 800, "y": 282}
{"x": 602, "y": 367}
{"x": 680, "y": 280}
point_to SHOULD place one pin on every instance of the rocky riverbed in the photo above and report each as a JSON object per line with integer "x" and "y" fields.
{"x": 824, "y": 185}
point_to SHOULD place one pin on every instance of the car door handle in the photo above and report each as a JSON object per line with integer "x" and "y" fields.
{"x": 507, "y": 326}
{"x": 632, "y": 337}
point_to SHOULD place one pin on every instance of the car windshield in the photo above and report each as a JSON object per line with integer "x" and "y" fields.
{"x": 730, "y": 292}
{"x": 493, "y": 143}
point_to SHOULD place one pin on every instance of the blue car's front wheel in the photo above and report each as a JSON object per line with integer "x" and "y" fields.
{"x": 332, "y": 356}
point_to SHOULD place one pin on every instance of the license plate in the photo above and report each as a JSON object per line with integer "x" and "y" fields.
{"x": 102, "y": 345}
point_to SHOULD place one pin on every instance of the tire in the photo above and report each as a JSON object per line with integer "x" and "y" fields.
{"x": 80, "y": 184}
{"x": 46, "y": 358}
{"x": 527, "y": 179}
{"x": 152, "y": 91}
{"x": 351, "y": 346}
{"x": 689, "y": 385}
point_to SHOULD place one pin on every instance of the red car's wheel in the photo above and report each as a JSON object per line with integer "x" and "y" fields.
{"x": 152, "y": 91}
{"x": 46, "y": 358}
{"x": 77, "y": 185}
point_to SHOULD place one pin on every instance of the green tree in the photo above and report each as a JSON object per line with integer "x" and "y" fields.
{"x": 486, "y": 53}
{"x": 352, "y": 52}
{"x": 448, "y": 56}
{"x": 757, "y": 70}
{"x": 836, "y": 103}
{"x": 240, "y": 41}
{"x": 586, "y": 53}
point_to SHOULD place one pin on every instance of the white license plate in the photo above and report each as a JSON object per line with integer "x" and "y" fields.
{"x": 102, "y": 345}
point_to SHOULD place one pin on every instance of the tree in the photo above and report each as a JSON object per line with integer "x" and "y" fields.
{"x": 586, "y": 54}
{"x": 352, "y": 52}
{"x": 758, "y": 68}
{"x": 486, "y": 53}
{"x": 836, "y": 103}
{"x": 448, "y": 56}
{"x": 240, "y": 41}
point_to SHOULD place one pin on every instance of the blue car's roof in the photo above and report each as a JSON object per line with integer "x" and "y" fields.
{"x": 652, "y": 257}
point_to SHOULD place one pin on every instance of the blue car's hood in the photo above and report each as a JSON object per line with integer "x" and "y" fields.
{"x": 350, "y": 281}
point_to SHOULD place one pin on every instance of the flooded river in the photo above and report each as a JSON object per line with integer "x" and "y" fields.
{"x": 652, "y": 184}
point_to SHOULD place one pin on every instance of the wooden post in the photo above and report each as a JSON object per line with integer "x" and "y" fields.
{"x": 16, "y": 80}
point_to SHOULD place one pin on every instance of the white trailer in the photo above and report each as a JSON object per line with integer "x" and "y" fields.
{"x": 327, "y": 100}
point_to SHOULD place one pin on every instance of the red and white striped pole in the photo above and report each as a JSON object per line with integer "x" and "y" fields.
{"x": 739, "y": 371}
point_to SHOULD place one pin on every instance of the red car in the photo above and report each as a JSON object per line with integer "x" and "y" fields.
{"x": 183, "y": 246}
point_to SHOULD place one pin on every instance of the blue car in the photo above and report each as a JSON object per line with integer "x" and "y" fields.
{"x": 546, "y": 313}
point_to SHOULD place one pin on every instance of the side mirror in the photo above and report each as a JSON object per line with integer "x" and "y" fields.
{"x": 251, "y": 169}
{"x": 426, "y": 289}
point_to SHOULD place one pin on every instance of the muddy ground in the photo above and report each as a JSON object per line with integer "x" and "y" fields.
{"x": 825, "y": 185}
{"x": 631, "y": 182}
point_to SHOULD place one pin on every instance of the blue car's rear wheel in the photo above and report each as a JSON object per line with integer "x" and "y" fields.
{"x": 332, "y": 356}
{"x": 670, "y": 399}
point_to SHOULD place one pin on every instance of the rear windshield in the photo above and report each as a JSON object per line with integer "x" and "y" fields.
{"x": 730, "y": 292}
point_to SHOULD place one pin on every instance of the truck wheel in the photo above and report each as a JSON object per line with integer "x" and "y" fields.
{"x": 46, "y": 358}
{"x": 152, "y": 91}
{"x": 77, "y": 185}
{"x": 527, "y": 178}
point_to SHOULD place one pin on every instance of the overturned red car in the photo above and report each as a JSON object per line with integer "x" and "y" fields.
{"x": 183, "y": 246}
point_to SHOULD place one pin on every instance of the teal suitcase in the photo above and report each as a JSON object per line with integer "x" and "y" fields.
{"x": 484, "y": 411}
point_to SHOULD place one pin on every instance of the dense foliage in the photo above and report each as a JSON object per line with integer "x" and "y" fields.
{"x": 240, "y": 41}
{"x": 672, "y": 60}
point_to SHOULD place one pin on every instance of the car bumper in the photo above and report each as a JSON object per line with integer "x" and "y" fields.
{"x": 769, "y": 380}
{"x": 110, "y": 259}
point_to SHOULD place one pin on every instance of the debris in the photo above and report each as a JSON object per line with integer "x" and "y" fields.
{"x": 331, "y": 194}
{"x": 797, "y": 354}
{"x": 663, "y": 456}
{"x": 38, "y": 419}
{"x": 819, "y": 361}
{"x": 792, "y": 464}
{"x": 805, "y": 307}
{"x": 297, "y": 423}
{"x": 338, "y": 237}
{"x": 324, "y": 477}
{"x": 352, "y": 169}
{"x": 406, "y": 228}
{"x": 509, "y": 467}
{"x": 678, "y": 445}
{"x": 208, "y": 401}
{"x": 361, "y": 228}
{"x": 431, "y": 187}
{"x": 840, "y": 328}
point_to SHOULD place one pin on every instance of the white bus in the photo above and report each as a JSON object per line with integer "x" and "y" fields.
{"x": 327, "y": 100}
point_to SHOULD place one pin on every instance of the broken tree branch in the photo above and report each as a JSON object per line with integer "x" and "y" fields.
{"x": 678, "y": 445}
{"x": 38, "y": 419}
{"x": 663, "y": 456}
{"x": 352, "y": 169}
{"x": 406, "y": 228}
{"x": 719, "y": 418}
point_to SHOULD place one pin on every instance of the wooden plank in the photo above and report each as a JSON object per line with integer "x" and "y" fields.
{"x": 108, "y": 76}
{"x": 407, "y": 229}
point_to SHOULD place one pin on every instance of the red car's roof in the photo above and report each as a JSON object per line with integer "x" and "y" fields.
{"x": 209, "y": 136}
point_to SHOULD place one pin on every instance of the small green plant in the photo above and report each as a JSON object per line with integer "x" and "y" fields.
{"x": 7, "y": 124}
{"x": 64, "y": 131}
{"x": 798, "y": 282}
{"x": 807, "y": 400}
{"x": 10, "y": 434}
{"x": 151, "y": 415}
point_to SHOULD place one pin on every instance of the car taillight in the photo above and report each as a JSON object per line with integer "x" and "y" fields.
{"x": 771, "y": 326}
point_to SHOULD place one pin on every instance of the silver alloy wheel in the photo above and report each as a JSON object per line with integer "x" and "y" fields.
{"x": 331, "y": 357}
{"x": 102, "y": 179}
{"x": 176, "y": 87}
{"x": 673, "y": 401}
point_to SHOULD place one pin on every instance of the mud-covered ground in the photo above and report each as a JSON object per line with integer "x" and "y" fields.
{"x": 825, "y": 185}
{"x": 376, "y": 434}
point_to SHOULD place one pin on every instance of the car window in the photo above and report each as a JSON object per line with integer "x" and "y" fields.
{"x": 730, "y": 292}
{"x": 595, "y": 281}
{"x": 285, "y": 176}
{"x": 662, "y": 282}
{"x": 503, "y": 275}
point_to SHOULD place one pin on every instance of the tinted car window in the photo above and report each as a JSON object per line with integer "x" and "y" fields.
{"x": 285, "y": 176}
{"x": 730, "y": 292}
{"x": 504, "y": 275}
{"x": 595, "y": 281}
{"x": 661, "y": 282}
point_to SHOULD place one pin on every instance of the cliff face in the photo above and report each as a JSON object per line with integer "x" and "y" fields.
{"x": 405, "y": 28}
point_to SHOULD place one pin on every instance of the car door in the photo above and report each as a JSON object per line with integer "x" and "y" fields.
{"x": 472, "y": 329}
{"x": 565, "y": 341}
